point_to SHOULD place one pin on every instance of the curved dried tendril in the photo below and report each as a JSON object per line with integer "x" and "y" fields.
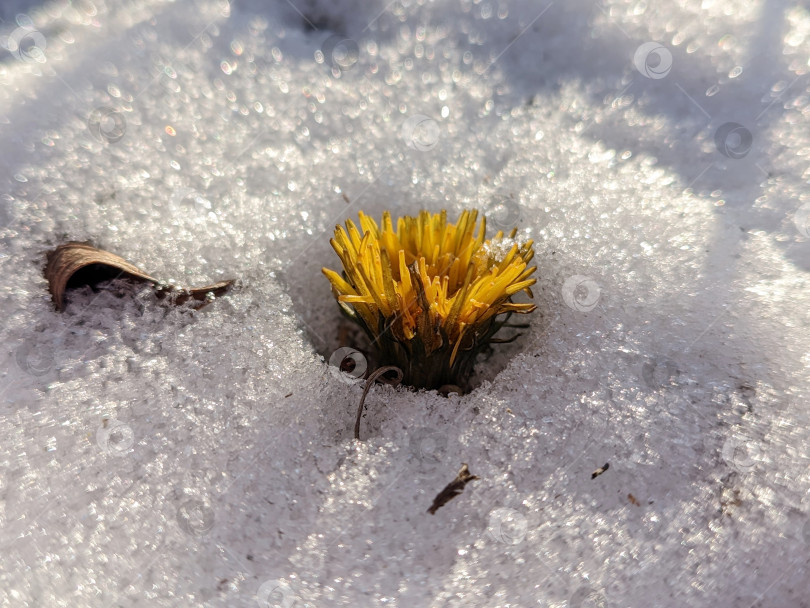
{"x": 371, "y": 379}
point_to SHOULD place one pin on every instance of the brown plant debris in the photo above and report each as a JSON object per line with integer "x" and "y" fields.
{"x": 73, "y": 263}
{"x": 600, "y": 470}
{"x": 452, "y": 489}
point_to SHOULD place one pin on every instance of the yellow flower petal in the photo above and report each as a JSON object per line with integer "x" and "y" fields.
{"x": 424, "y": 277}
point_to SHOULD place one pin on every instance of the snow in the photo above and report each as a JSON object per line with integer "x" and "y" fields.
{"x": 655, "y": 152}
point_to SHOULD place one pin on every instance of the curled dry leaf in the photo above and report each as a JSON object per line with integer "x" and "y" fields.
{"x": 80, "y": 263}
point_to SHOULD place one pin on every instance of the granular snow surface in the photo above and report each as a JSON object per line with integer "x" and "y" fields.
{"x": 656, "y": 152}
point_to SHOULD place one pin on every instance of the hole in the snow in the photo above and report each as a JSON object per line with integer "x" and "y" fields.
{"x": 328, "y": 330}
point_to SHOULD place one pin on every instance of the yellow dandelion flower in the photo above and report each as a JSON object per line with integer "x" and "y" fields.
{"x": 428, "y": 293}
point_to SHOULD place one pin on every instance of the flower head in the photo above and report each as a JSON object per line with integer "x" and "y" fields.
{"x": 428, "y": 292}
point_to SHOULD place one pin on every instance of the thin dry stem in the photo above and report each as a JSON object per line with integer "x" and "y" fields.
{"x": 371, "y": 379}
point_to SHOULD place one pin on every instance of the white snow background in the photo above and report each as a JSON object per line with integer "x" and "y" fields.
{"x": 164, "y": 457}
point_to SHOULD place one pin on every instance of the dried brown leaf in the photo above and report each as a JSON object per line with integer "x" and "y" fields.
{"x": 82, "y": 263}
